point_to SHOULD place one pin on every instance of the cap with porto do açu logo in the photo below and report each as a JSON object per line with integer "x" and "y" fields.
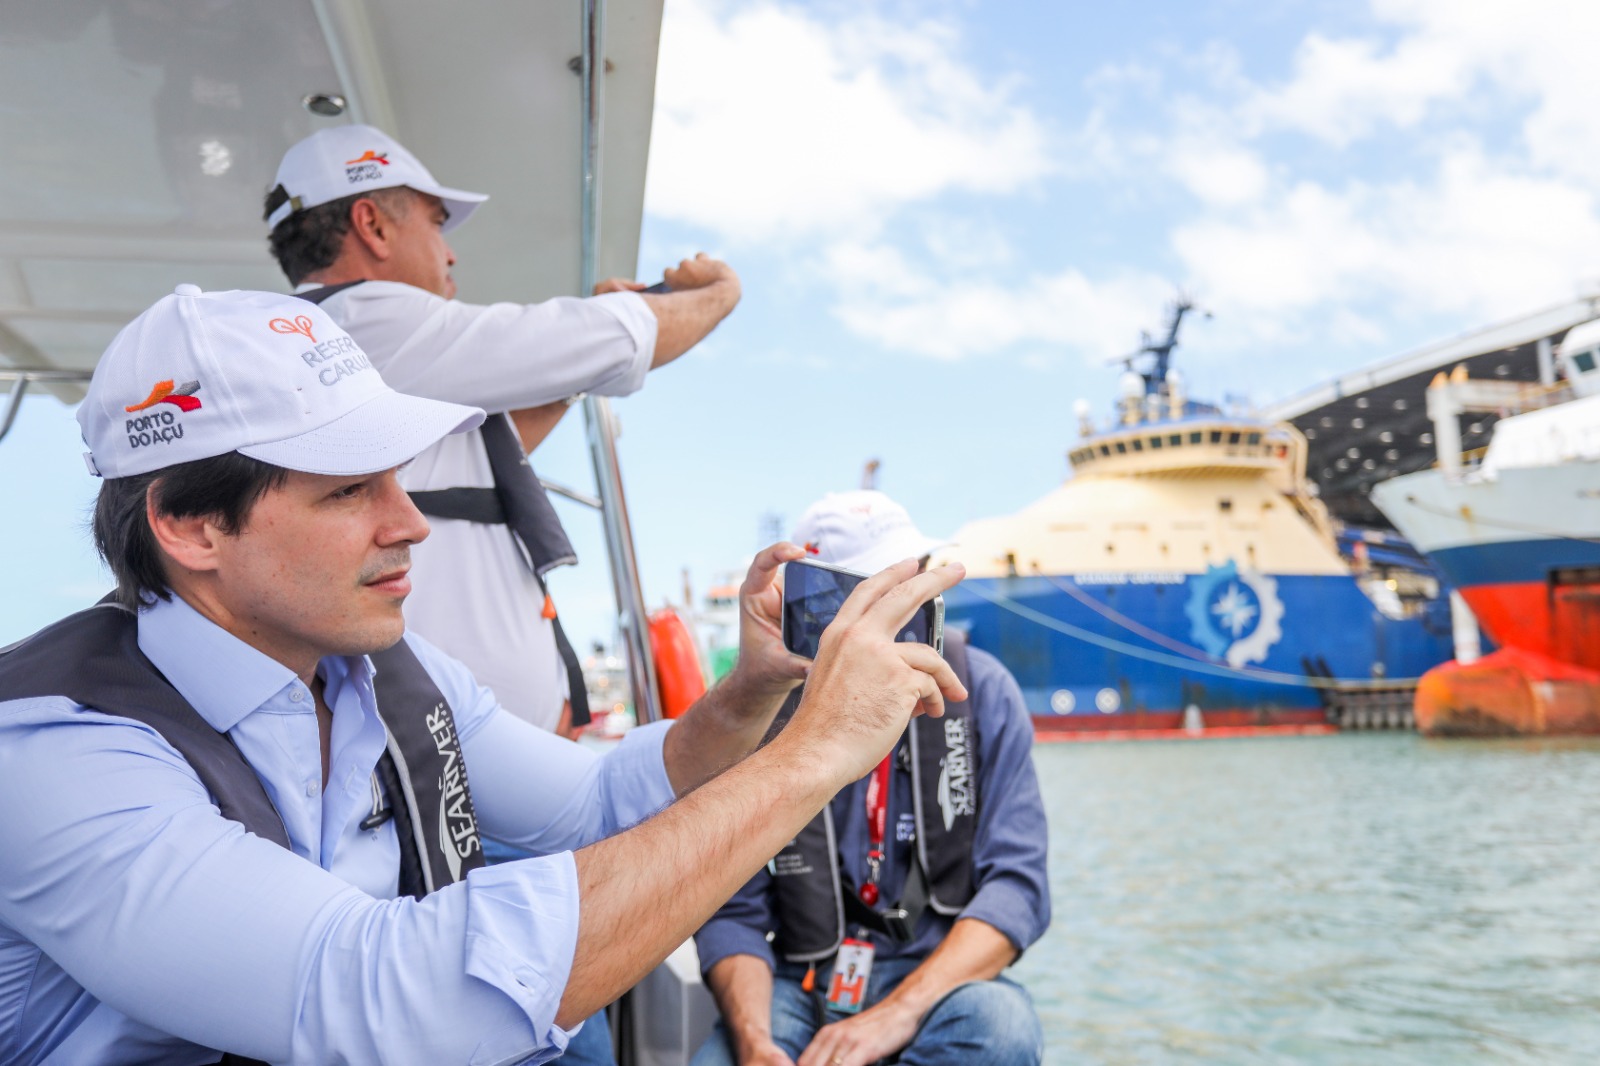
{"x": 344, "y": 160}
{"x": 201, "y": 374}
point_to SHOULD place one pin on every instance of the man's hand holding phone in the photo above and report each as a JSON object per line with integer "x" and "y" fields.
{"x": 813, "y": 592}
{"x": 866, "y": 684}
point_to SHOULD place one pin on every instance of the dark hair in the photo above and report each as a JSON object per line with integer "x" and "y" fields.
{"x": 225, "y": 487}
{"x": 309, "y": 240}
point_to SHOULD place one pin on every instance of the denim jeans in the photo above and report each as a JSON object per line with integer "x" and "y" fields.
{"x": 981, "y": 1023}
{"x": 592, "y": 1045}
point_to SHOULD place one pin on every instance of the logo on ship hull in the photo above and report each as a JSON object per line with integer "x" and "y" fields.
{"x": 1235, "y": 614}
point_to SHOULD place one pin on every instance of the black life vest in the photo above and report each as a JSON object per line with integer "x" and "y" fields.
{"x": 93, "y": 658}
{"x": 518, "y": 500}
{"x": 811, "y": 895}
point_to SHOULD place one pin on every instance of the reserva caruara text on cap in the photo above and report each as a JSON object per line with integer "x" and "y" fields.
{"x": 201, "y": 374}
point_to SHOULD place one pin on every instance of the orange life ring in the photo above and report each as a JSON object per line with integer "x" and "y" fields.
{"x": 678, "y": 672}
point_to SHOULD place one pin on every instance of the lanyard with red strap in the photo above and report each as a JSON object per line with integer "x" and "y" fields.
{"x": 877, "y": 822}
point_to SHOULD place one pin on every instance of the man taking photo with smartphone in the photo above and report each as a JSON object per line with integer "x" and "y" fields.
{"x": 242, "y": 809}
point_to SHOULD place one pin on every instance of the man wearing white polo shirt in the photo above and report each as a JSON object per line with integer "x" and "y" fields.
{"x": 358, "y": 225}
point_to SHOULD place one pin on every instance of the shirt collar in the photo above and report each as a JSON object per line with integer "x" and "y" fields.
{"x": 220, "y": 675}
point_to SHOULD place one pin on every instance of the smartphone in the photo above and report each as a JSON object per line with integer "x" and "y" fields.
{"x": 813, "y": 592}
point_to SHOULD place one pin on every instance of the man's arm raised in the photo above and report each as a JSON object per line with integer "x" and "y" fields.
{"x": 704, "y": 291}
{"x": 728, "y": 722}
{"x": 643, "y": 892}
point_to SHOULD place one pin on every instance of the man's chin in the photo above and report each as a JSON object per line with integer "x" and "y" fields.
{"x": 380, "y": 636}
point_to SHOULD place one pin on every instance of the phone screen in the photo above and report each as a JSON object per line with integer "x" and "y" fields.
{"x": 813, "y": 594}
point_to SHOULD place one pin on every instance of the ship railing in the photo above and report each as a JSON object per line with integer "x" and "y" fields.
{"x": 21, "y": 378}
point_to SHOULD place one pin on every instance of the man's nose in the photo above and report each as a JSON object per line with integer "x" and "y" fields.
{"x": 404, "y": 523}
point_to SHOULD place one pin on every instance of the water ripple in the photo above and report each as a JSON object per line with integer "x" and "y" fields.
{"x": 1364, "y": 898}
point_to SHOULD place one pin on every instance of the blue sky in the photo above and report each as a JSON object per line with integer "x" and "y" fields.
{"x": 949, "y": 215}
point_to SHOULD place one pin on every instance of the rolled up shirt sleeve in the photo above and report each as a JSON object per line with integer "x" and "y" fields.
{"x": 1012, "y": 840}
{"x": 124, "y": 875}
{"x": 501, "y": 356}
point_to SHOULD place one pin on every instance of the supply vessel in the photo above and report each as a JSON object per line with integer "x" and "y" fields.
{"x": 1186, "y": 574}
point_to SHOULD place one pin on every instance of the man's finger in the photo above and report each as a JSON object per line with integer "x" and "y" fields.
{"x": 930, "y": 664}
{"x": 900, "y": 603}
{"x": 820, "y": 1051}
{"x": 764, "y": 567}
{"x": 930, "y": 692}
{"x": 870, "y": 591}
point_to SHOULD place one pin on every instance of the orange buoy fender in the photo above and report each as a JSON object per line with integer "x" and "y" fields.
{"x": 678, "y": 670}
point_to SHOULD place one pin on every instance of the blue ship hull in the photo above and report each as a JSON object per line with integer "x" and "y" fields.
{"x": 1088, "y": 682}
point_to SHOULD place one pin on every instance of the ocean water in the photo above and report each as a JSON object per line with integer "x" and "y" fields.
{"x": 1365, "y": 898}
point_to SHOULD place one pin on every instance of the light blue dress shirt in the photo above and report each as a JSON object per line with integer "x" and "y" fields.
{"x": 139, "y": 925}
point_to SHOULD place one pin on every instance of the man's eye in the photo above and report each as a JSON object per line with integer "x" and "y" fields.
{"x": 348, "y": 492}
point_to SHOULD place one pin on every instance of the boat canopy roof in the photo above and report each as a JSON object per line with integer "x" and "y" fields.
{"x": 140, "y": 138}
{"x": 1372, "y": 424}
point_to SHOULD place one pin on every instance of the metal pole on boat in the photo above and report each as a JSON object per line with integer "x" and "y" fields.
{"x": 600, "y": 422}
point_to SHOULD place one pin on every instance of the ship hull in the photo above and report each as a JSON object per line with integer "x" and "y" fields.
{"x": 1524, "y": 551}
{"x": 1128, "y": 652}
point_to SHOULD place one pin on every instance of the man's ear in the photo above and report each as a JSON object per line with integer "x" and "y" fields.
{"x": 191, "y": 542}
{"x": 371, "y": 229}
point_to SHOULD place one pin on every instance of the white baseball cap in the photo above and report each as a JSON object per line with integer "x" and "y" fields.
{"x": 270, "y": 376}
{"x": 862, "y": 530}
{"x": 345, "y": 160}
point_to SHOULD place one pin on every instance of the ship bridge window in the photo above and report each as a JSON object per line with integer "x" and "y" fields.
{"x": 1175, "y": 440}
{"x": 1155, "y": 442}
{"x": 1105, "y": 449}
{"x": 1122, "y": 449}
{"x": 1233, "y": 438}
{"x": 1195, "y": 437}
{"x": 1584, "y": 361}
{"x": 1254, "y": 438}
{"x": 1216, "y": 436}
{"x": 1138, "y": 445}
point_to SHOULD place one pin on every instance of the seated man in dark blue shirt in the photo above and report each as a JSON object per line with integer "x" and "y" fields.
{"x": 893, "y": 914}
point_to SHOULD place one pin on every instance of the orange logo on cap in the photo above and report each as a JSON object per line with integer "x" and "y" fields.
{"x": 299, "y": 324}
{"x": 369, "y": 156}
{"x": 182, "y": 397}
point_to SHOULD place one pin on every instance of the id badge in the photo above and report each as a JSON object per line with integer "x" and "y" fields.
{"x": 847, "y": 991}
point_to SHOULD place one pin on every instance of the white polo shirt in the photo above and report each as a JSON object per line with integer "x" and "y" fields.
{"x": 472, "y": 595}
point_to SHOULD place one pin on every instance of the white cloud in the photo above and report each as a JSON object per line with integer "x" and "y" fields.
{"x": 1452, "y": 53}
{"x": 774, "y": 122}
{"x": 1489, "y": 110}
{"x": 778, "y": 124}
{"x": 953, "y": 318}
{"x": 1478, "y": 238}
{"x": 1217, "y": 173}
{"x": 1343, "y": 89}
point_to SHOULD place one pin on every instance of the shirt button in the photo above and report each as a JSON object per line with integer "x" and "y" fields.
{"x": 297, "y": 694}
{"x": 311, "y": 789}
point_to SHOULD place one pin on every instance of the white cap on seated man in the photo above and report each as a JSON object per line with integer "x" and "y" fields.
{"x": 863, "y": 530}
